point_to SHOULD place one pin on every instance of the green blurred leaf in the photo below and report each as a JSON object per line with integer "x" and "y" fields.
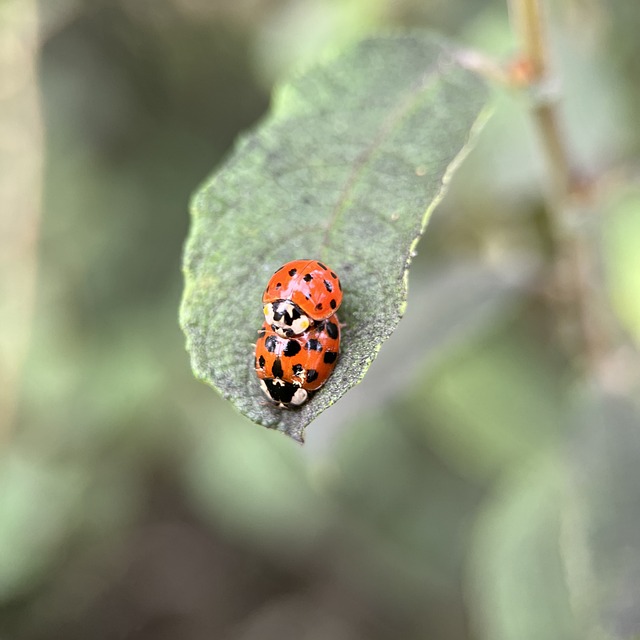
{"x": 347, "y": 170}
{"x": 556, "y": 552}
{"x": 294, "y": 32}
{"x": 517, "y": 583}
{"x": 413, "y": 508}
{"x": 622, "y": 260}
{"x": 497, "y": 400}
{"x": 39, "y": 503}
{"x": 256, "y": 488}
{"x": 601, "y": 517}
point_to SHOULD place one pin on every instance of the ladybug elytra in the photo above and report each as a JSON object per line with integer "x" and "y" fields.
{"x": 300, "y": 293}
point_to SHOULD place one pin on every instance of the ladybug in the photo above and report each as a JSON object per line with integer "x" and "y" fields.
{"x": 289, "y": 368}
{"x": 299, "y": 294}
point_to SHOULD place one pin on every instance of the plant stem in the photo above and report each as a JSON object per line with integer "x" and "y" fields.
{"x": 583, "y": 329}
{"x": 526, "y": 17}
{"x": 20, "y": 187}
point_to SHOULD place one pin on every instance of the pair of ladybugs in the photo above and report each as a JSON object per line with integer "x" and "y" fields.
{"x": 299, "y": 342}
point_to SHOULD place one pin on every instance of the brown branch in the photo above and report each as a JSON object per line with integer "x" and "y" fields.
{"x": 583, "y": 329}
{"x": 20, "y": 187}
{"x": 526, "y": 16}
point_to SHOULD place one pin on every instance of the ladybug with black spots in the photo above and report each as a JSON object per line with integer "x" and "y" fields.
{"x": 300, "y": 294}
{"x": 290, "y": 368}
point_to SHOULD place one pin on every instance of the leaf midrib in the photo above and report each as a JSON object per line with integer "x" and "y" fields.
{"x": 405, "y": 106}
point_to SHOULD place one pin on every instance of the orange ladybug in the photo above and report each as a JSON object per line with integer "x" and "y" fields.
{"x": 299, "y": 294}
{"x": 290, "y": 368}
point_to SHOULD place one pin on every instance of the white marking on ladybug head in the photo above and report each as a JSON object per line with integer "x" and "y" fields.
{"x": 286, "y": 318}
{"x": 268, "y": 312}
{"x": 301, "y": 324}
{"x": 299, "y": 397}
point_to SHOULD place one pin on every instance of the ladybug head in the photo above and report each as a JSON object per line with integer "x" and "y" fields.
{"x": 286, "y": 318}
{"x": 284, "y": 394}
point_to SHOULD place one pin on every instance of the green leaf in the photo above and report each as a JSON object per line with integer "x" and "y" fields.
{"x": 556, "y": 551}
{"x": 601, "y": 517}
{"x": 38, "y": 504}
{"x": 517, "y": 583}
{"x": 621, "y": 234}
{"x": 256, "y": 489}
{"x": 346, "y": 169}
{"x": 483, "y": 403}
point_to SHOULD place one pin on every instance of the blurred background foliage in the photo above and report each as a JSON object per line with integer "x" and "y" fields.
{"x": 472, "y": 487}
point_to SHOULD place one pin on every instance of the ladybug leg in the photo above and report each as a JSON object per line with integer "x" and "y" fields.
{"x": 276, "y": 405}
{"x": 265, "y": 402}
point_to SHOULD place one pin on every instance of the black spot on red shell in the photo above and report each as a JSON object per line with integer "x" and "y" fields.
{"x": 334, "y": 275}
{"x": 332, "y": 304}
{"x": 261, "y": 333}
{"x": 276, "y": 369}
{"x": 312, "y": 375}
{"x": 332, "y": 329}
{"x": 319, "y": 306}
{"x": 292, "y": 272}
{"x": 313, "y": 345}
{"x": 330, "y": 357}
{"x": 308, "y": 277}
{"x": 297, "y": 369}
{"x": 278, "y": 285}
{"x": 322, "y": 266}
{"x": 261, "y": 362}
{"x": 339, "y": 285}
{"x": 327, "y": 286}
{"x": 292, "y": 348}
{"x": 270, "y": 343}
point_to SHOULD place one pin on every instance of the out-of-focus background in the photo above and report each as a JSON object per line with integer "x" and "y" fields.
{"x": 470, "y": 488}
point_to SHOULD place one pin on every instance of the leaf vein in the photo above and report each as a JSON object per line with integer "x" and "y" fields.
{"x": 405, "y": 105}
